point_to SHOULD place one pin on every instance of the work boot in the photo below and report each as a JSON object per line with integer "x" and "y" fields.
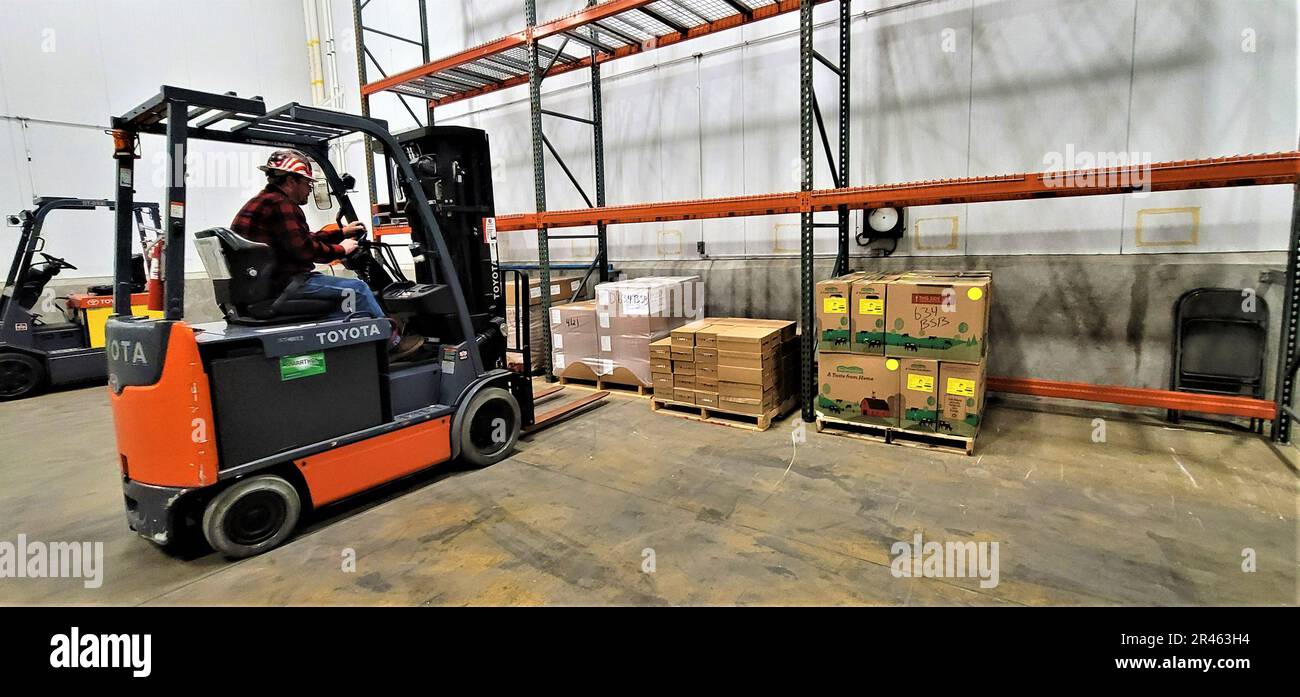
{"x": 406, "y": 347}
{"x": 402, "y": 346}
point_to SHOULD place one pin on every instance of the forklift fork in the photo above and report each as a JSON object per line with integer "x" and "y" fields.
{"x": 532, "y": 421}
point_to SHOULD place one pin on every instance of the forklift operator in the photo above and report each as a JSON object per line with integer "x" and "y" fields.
{"x": 273, "y": 217}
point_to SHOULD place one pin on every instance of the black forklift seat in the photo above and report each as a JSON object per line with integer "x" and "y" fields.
{"x": 241, "y": 273}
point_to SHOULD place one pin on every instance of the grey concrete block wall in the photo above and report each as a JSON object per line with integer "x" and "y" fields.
{"x": 1105, "y": 319}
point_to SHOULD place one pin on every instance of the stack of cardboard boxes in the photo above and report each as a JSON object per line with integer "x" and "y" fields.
{"x": 561, "y": 290}
{"x": 745, "y": 366}
{"x": 904, "y": 350}
{"x": 609, "y": 338}
{"x": 573, "y": 333}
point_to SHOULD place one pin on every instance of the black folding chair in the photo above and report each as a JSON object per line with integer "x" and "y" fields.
{"x": 1220, "y": 337}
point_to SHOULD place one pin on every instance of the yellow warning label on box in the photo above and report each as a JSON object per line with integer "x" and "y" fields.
{"x": 835, "y": 306}
{"x": 961, "y": 387}
{"x": 920, "y": 383}
{"x": 871, "y": 306}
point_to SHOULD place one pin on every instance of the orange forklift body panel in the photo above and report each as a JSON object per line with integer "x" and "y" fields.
{"x": 165, "y": 431}
{"x": 342, "y": 472}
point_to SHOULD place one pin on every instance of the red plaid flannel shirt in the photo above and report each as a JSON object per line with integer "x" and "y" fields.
{"x": 270, "y": 217}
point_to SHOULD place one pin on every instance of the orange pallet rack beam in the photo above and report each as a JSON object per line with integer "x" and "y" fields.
{"x": 1242, "y": 170}
{"x": 490, "y": 67}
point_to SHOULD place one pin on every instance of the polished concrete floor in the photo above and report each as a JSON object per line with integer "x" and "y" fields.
{"x": 625, "y": 507}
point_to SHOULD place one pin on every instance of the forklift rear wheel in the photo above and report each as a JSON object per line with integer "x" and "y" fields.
{"x": 20, "y": 375}
{"x": 489, "y": 427}
{"x": 252, "y": 516}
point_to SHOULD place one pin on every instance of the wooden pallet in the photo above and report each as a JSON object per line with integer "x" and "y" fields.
{"x": 943, "y": 442}
{"x": 598, "y": 384}
{"x": 722, "y": 417}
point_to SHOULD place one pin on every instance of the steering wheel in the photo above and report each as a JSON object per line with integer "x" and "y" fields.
{"x": 342, "y": 221}
{"x": 58, "y": 263}
{"x": 362, "y": 245}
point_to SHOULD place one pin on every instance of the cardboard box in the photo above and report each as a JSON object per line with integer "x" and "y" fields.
{"x": 661, "y": 349}
{"x": 683, "y": 368}
{"x": 704, "y": 383}
{"x": 961, "y": 398}
{"x": 648, "y": 328}
{"x": 748, "y": 376}
{"x": 685, "y": 334}
{"x": 561, "y": 289}
{"x": 919, "y": 385}
{"x": 708, "y": 356}
{"x": 767, "y": 401}
{"x": 573, "y": 329}
{"x": 683, "y": 354}
{"x": 706, "y": 399}
{"x": 787, "y": 327}
{"x": 661, "y": 365}
{"x": 684, "y": 382}
{"x": 631, "y": 315}
{"x": 832, "y": 306}
{"x": 678, "y": 298}
{"x": 536, "y": 325}
{"x": 574, "y": 317}
{"x": 709, "y": 370}
{"x": 748, "y": 339}
{"x": 577, "y": 345}
{"x": 681, "y": 395}
{"x": 934, "y": 315}
{"x": 742, "y": 391}
{"x": 774, "y": 360}
{"x": 860, "y": 389}
{"x": 663, "y": 382}
{"x": 708, "y": 337}
{"x": 867, "y": 313}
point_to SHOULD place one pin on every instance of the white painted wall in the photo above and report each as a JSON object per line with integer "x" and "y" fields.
{"x": 953, "y": 88}
{"x": 67, "y": 66}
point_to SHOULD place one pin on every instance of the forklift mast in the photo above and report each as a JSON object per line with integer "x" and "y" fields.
{"x": 454, "y": 167}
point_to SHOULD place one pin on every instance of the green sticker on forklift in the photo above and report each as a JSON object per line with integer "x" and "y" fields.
{"x": 304, "y": 366}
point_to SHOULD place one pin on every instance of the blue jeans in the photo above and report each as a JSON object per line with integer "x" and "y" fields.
{"x": 338, "y": 288}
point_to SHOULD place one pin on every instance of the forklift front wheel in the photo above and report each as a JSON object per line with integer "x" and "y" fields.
{"x": 20, "y": 375}
{"x": 489, "y": 427}
{"x": 251, "y": 516}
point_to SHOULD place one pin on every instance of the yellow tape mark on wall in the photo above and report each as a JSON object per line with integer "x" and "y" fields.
{"x": 669, "y": 243}
{"x": 1194, "y": 227}
{"x": 917, "y": 239}
{"x": 777, "y": 247}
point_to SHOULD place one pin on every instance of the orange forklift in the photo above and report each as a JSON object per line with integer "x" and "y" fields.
{"x": 235, "y": 428}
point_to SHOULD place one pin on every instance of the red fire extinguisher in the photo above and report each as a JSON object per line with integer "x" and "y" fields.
{"x": 155, "y": 285}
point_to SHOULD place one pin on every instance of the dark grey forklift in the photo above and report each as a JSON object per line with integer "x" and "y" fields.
{"x": 235, "y": 427}
{"x": 34, "y": 353}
